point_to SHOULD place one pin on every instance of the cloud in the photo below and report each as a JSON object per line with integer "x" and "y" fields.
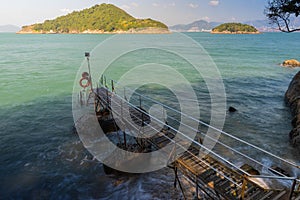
{"x": 206, "y": 18}
{"x": 172, "y": 4}
{"x": 125, "y": 7}
{"x": 65, "y": 10}
{"x": 135, "y": 4}
{"x": 214, "y": 2}
{"x": 164, "y": 5}
{"x": 193, "y": 5}
{"x": 128, "y": 7}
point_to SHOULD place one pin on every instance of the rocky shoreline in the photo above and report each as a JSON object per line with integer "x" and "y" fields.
{"x": 150, "y": 30}
{"x": 292, "y": 98}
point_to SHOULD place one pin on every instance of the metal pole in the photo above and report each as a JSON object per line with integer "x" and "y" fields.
{"x": 175, "y": 173}
{"x": 125, "y": 94}
{"x": 107, "y": 99}
{"x": 140, "y": 102}
{"x": 293, "y": 188}
{"x": 197, "y": 192}
{"x": 124, "y": 135}
{"x": 112, "y": 86}
{"x": 101, "y": 80}
{"x": 87, "y": 55}
{"x": 179, "y": 183}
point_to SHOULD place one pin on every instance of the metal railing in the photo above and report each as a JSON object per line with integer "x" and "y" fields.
{"x": 142, "y": 100}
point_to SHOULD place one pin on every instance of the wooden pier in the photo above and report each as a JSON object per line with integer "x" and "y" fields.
{"x": 212, "y": 174}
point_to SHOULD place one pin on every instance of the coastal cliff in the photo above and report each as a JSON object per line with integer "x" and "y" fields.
{"x": 103, "y": 18}
{"x": 292, "y": 98}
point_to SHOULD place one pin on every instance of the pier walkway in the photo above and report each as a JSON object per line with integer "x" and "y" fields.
{"x": 224, "y": 172}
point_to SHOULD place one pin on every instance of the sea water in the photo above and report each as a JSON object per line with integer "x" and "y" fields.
{"x": 42, "y": 157}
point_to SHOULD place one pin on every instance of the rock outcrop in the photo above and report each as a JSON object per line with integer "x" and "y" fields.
{"x": 291, "y": 63}
{"x": 292, "y": 98}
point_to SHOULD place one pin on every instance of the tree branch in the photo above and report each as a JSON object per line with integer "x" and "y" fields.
{"x": 279, "y": 12}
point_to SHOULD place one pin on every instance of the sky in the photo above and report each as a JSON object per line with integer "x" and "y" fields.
{"x": 170, "y": 12}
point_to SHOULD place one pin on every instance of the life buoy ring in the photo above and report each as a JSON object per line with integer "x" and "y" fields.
{"x": 87, "y": 84}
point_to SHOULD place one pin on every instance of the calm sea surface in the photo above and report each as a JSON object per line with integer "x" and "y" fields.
{"x": 41, "y": 157}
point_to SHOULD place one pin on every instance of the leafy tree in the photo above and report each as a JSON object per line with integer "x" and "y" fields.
{"x": 280, "y": 12}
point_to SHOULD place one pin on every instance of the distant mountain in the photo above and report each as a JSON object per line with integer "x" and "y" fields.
{"x": 262, "y": 25}
{"x": 9, "y": 28}
{"x": 197, "y": 26}
{"x": 202, "y": 25}
{"x": 103, "y": 18}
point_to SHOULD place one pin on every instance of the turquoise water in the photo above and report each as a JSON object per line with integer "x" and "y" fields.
{"x": 40, "y": 155}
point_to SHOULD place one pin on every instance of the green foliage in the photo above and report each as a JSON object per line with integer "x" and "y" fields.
{"x": 104, "y": 17}
{"x": 280, "y": 12}
{"x": 234, "y": 27}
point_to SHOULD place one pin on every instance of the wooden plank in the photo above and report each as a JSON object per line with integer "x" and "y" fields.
{"x": 215, "y": 179}
{"x": 219, "y": 181}
{"x": 248, "y": 191}
{"x": 162, "y": 140}
{"x": 223, "y": 183}
{"x": 204, "y": 176}
{"x": 267, "y": 195}
{"x": 186, "y": 157}
{"x": 253, "y": 194}
{"x": 193, "y": 150}
{"x": 281, "y": 195}
{"x": 199, "y": 169}
{"x": 257, "y": 194}
{"x": 297, "y": 197}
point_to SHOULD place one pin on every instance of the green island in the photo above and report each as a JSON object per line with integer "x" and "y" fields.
{"x": 234, "y": 28}
{"x": 103, "y": 18}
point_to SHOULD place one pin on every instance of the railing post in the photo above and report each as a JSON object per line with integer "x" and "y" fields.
{"x": 122, "y": 110}
{"x": 87, "y": 55}
{"x": 244, "y": 187}
{"x": 125, "y": 142}
{"x": 112, "y": 86}
{"x": 80, "y": 97}
{"x": 125, "y": 93}
{"x": 197, "y": 191}
{"x": 293, "y": 188}
{"x": 107, "y": 99}
{"x": 105, "y": 85}
{"x": 140, "y": 99}
{"x": 101, "y": 80}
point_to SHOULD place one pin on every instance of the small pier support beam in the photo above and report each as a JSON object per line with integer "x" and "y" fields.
{"x": 179, "y": 183}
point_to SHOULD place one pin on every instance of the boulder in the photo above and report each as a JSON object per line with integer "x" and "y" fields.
{"x": 232, "y": 109}
{"x": 292, "y": 98}
{"x": 291, "y": 63}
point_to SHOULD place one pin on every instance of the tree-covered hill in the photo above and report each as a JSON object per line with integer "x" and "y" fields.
{"x": 234, "y": 28}
{"x": 99, "y": 18}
